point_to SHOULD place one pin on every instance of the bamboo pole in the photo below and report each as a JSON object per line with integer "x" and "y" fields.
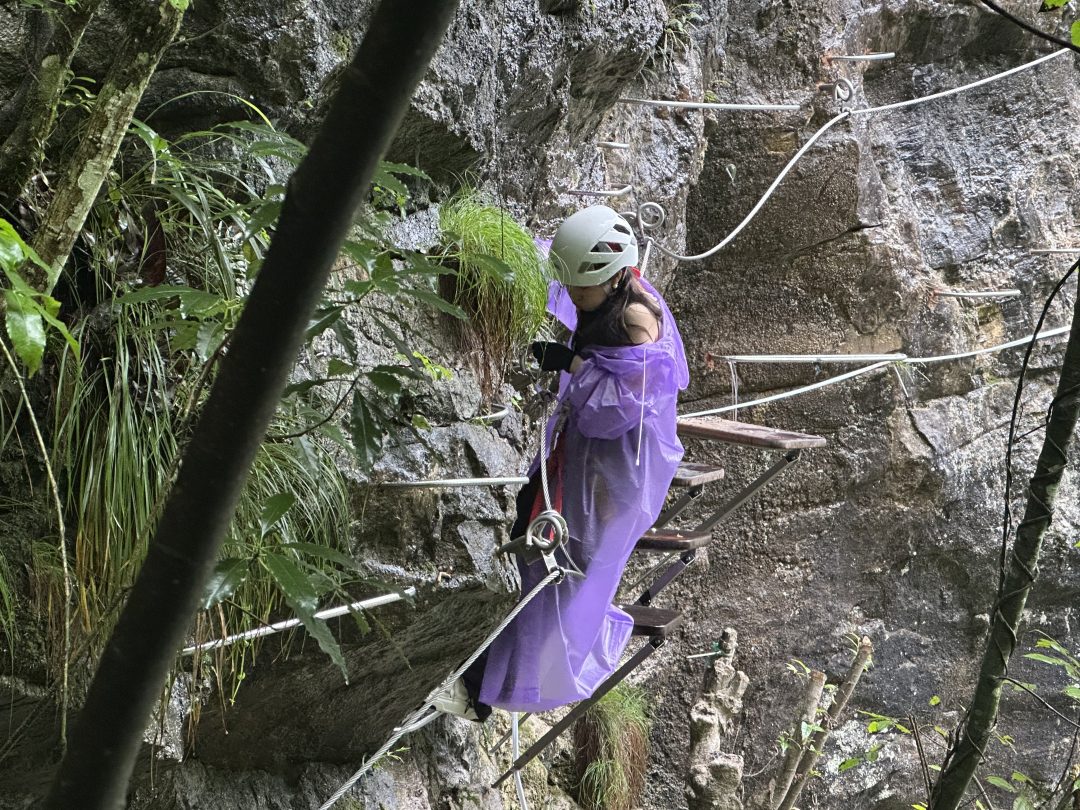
{"x": 817, "y": 742}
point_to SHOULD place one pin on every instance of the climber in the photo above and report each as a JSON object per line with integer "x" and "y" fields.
{"x": 612, "y": 452}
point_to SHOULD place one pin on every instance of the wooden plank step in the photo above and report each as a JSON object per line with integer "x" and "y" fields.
{"x": 650, "y": 621}
{"x": 668, "y": 540}
{"x": 724, "y": 430}
{"x": 692, "y": 475}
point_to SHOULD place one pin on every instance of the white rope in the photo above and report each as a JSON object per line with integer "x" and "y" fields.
{"x": 1061, "y": 330}
{"x": 458, "y": 482}
{"x": 818, "y": 359}
{"x": 580, "y": 192}
{"x": 866, "y": 57}
{"x": 996, "y": 77}
{"x": 641, "y": 421}
{"x": 514, "y": 743}
{"x": 978, "y": 293}
{"x": 786, "y": 394}
{"x": 421, "y": 713}
{"x": 734, "y": 390}
{"x": 867, "y": 111}
{"x": 918, "y": 361}
{"x": 754, "y": 211}
{"x": 279, "y": 627}
{"x": 1049, "y": 251}
{"x": 707, "y": 105}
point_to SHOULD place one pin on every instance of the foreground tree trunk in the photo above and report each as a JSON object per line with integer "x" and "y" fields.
{"x": 982, "y": 716}
{"x": 21, "y": 150}
{"x": 119, "y": 94}
{"x": 322, "y": 199}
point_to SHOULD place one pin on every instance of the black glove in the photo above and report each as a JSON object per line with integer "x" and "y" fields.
{"x": 553, "y": 356}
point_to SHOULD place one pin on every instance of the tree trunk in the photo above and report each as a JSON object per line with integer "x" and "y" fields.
{"x": 88, "y": 167}
{"x": 317, "y": 215}
{"x": 982, "y": 716}
{"x": 21, "y": 150}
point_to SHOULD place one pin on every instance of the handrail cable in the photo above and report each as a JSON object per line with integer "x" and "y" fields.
{"x": 844, "y": 114}
{"x": 288, "y": 624}
{"x": 914, "y": 361}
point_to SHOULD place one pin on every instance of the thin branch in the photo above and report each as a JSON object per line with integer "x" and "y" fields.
{"x": 1028, "y": 27}
{"x": 280, "y": 437}
{"x": 63, "y": 543}
{"x": 924, "y": 766}
{"x": 982, "y": 790}
{"x": 1041, "y": 700}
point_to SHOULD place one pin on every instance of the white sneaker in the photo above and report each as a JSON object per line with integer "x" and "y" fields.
{"x": 455, "y": 700}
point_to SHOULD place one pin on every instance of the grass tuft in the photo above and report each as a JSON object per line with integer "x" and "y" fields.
{"x": 505, "y": 309}
{"x": 612, "y": 745}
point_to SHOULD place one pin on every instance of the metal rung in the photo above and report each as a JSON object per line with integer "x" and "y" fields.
{"x": 664, "y": 540}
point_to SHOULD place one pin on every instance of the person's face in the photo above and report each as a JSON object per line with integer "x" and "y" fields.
{"x": 589, "y": 298}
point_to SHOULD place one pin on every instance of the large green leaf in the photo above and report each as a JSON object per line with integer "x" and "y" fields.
{"x": 274, "y": 509}
{"x": 366, "y": 434}
{"x": 387, "y": 383}
{"x": 324, "y": 553}
{"x": 229, "y": 574}
{"x": 432, "y": 300}
{"x": 402, "y": 168}
{"x": 496, "y": 268}
{"x": 303, "y": 599}
{"x": 323, "y": 320}
{"x": 26, "y": 329}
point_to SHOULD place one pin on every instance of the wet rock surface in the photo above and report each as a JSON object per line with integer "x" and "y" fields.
{"x": 891, "y": 531}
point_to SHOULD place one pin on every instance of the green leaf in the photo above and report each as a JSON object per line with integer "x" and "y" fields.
{"x": 339, "y": 368}
{"x": 1047, "y": 659}
{"x": 997, "y": 781}
{"x": 1074, "y": 33}
{"x": 434, "y": 301}
{"x": 390, "y": 183}
{"x": 387, "y": 383}
{"x": 1073, "y": 691}
{"x": 265, "y": 216}
{"x": 274, "y": 509}
{"x": 345, "y": 337}
{"x": 402, "y": 168}
{"x": 323, "y": 320}
{"x": 872, "y": 754}
{"x": 1022, "y": 802}
{"x": 229, "y": 574}
{"x": 935, "y": 700}
{"x": 500, "y": 271}
{"x": 26, "y": 330}
{"x": 358, "y": 288}
{"x": 335, "y": 434}
{"x": 420, "y": 422}
{"x": 361, "y": 621}
{"x": 14, "y": 251}
{"x": 303, "y": 599}
{"x": 324, "y": 553}
{"x": 1054, "y": 3}
{"x": 366, "y": 435}
{"x": 308, "y": 455}
{"x": 363, "y": 253}
{"x": 180, "y": 5}
{"x": 848, "y": 764}
{"x": 207, "y": 338}
{"x": 1019, "y": 777}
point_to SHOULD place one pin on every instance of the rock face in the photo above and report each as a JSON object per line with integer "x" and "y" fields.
{"x": 891, "y": 531}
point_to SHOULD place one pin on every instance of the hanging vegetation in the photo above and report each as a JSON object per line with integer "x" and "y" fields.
{"x": 501, "y": 281}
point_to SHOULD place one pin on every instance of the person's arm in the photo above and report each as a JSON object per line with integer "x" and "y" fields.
{"x": 641, "y": 325}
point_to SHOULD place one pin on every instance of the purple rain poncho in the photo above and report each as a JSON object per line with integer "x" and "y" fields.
{"x": 569, "y": 639}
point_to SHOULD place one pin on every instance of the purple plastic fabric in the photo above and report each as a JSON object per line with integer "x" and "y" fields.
{"x": 570, "y": 637}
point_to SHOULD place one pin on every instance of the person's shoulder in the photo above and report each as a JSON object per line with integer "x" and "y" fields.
{"x": 641, "y": 325}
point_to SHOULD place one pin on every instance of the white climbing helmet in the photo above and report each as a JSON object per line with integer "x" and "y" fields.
{"x": 591, "y": 246}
